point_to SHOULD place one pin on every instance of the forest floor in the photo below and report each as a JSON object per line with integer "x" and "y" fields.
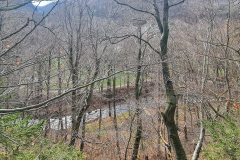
{"x": 100, "y": 143}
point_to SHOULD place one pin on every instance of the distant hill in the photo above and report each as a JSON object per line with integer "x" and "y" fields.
{"x": 40, "y": 9}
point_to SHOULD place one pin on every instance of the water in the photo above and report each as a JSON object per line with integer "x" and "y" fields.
{"x": 120, "y": 109}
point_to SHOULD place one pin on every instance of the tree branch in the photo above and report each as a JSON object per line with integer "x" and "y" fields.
{"x": 10, "y": 111}
{"x": 139, "y": 10}
{"x": 223, "y": 45}
{"x": 14, "y": 7}
{"x": 29, "y": 31}
{"x": 176, "y": 3}
{"x": 128, "y": 36}
{"x": 16, "y": 110}
{"x": 157, "y": 17}
{"x": 214, "y": 110}
{"x": 13, "y": 140}
{"x": 155, "y": 50}
{"x": 16, "y": 31}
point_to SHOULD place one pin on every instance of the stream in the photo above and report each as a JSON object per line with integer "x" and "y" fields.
{"x": 54, "y": 122}
{"x": 120, "y": 109}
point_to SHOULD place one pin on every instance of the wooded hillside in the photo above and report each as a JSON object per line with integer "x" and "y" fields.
{"x": 119, "y": 79}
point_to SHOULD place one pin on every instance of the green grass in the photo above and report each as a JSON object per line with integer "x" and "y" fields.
{"x": 120, "y": 78}
{"x": 226, "y": 138}
{"x": 48, "y": 151}
{"x": 54, "y": 86}
{"x": 90, "y": 128}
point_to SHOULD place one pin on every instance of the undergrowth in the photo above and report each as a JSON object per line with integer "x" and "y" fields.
{"x": 225, "y": 138}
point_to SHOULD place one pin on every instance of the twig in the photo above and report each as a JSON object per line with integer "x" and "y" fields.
{"x": 216, "y": 112}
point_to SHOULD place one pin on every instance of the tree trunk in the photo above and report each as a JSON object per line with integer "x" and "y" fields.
{"x": 159, "y": 131}
{"x": 80, "y": 114}
{"x": 74, "y": 130}
{"x": 59, "y": 92}
{"x": 177, "y": 114}
{"x": 74, "y": 63}
{"x": 40, "y": 82}
{"x": 201, "y": 137}
{"x": 137, "y": 96}
{"x": 115, "y": 117}
{"x": 109, "y": 91}
{"x": 128, "y": 83}
{"x": 83, "y": 132}
{"x": 171, "y": 104}
{"x": 100, "y": 119}
{"x": 48, "y": 93}
{"x": 170, "y": 108}
{"x": 129, "y": 139}
{"x": 32, "y": 81}
{"x": 226, "y": 60}
{"x": 138, "y": 135}
{"x": 185, "y": 118}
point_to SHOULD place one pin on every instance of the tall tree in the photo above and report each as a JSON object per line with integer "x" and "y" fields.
{"x": 168, "y": 114}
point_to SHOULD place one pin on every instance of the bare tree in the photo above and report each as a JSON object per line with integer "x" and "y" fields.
{"x": 169, "y": 112}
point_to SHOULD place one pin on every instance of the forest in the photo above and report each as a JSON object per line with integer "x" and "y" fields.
{"x": 119, "y": 79}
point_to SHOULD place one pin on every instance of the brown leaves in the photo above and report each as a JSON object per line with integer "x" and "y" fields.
{"x": 17, "y": 63}
{"x": 235, "y": 106}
